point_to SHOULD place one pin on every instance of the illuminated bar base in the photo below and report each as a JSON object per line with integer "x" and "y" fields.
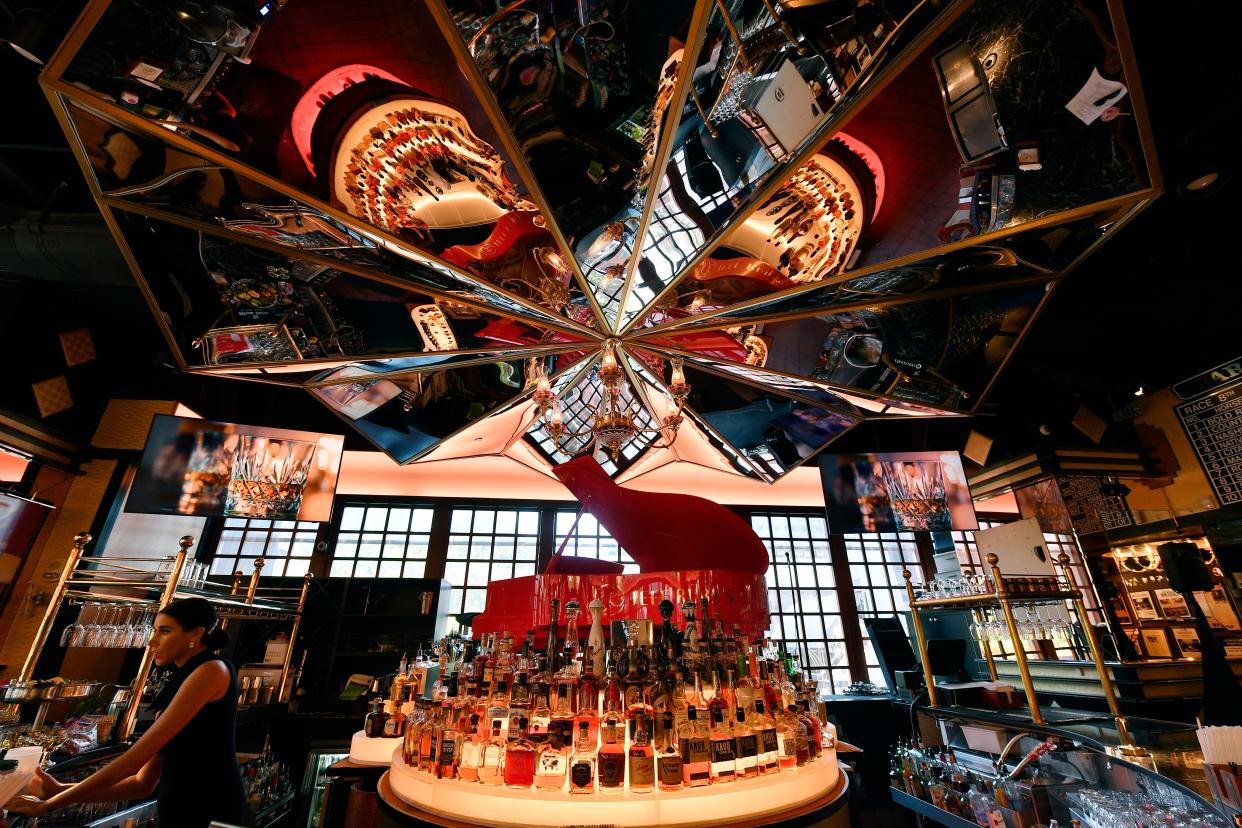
{"x": 364, "y": 750}
{"x": 763, "y": 800}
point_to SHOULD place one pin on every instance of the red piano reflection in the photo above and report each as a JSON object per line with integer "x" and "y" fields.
{"x": 686, "y": 548}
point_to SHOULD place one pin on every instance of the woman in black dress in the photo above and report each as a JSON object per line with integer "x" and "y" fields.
{"x": 188, "y": 755}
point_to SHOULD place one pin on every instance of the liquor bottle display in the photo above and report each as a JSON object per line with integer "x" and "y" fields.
{"x": 700, "y": 706}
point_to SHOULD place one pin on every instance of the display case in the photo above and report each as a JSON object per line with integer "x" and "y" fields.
{"x": 1030, "y": 774}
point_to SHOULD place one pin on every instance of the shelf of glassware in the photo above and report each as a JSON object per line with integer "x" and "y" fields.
{"x": 746, "y": 801}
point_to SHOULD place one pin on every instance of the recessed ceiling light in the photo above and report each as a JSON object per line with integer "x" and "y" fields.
{"x": 1203, "y": 182}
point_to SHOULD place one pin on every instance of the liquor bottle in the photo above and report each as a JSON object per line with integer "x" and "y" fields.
{"x": 611, "y": 759}
{"x": 414, "y": 734}
{"x": 696, "y": 753}
{"x": 551, "y": 763}
{"x": 541, "y": 680}
{"x": 595, "y": 639}
{"x": 633, "y": 683}
{"x": 520, "y": 701}
{"x": 550, "y": 666}
{"x": 561, "y": 722}
{"x": 471, "y": 752}
{"x": 802, "y": 749}
{"x": 373, "y": 724}
{"x": 572, "y": 609}
{"x": 492, "y": 762}
{"x": 567, "y": 677}
{"x": 588, "y": 693}
{"x": 747, "y": 745}
{"x": 690, "y": 635}
{"x": 813, "y": 733}
{"x": 641, "y": 756}
{"x": 678, "y": 703}
{"x": 498, "y": 707}
{"x": 765, "y": 731}
{"x": 747, "y": 687}
{"x": 519, "y": 769}
{"x": 613, "y": 698}
{"x": 450, "y": 748}
{"x": 582, "y": 766}
{"x": 428, "y": 750}
{"x": 540, "y": 719}
{"x": 724, "y": 753}
{"x": 669, "y": 773}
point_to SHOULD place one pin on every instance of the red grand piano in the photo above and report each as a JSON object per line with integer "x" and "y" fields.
{"x": 686, "y": 547}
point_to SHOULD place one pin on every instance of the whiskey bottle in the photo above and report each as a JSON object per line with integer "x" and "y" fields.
{"x": 450, "y": 748}
{"x": 561, "y": 721}
{"x": 611, "y": 760}
{"x": 540, "y": 719}
{"x": 471, "y": 752}
{"x": 492, "y": 761}
{"x": 498, "y": 707}
{"x": 802, "y": 749}
{"x": 669, "y": 772}
{"x": 695, "y": 750}
{"x": 641, "y": 756}
{"x": 582, "y": 766}
{"x": 373, "y": 725}
{"x": 551, "y": 763}
{"x": 519, "y": 768}
{"x": 765, "y": 731}
{"x": 746, "y": 745}
{"x": 723, "y": 751}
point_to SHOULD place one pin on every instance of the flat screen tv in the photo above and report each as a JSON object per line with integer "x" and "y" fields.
{"x": 204, "y": 468}
{"x": 913, "y": 491}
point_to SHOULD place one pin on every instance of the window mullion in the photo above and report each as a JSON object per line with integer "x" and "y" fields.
{"x": 851, "y": 627}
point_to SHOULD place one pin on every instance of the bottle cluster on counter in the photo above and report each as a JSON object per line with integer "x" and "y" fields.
{"x": 691, "y": 709}
{"x": 934, "y": 775}
{"x": 267, "y": 780}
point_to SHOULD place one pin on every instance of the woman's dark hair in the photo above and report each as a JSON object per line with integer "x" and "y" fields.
{"x": 197, "y": 612}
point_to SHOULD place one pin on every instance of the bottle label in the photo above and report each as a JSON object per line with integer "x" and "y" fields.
{"x": 550, "y": 762}
{"x": 767, "y": 739}
{"x": 633, "y": 695}
{"x": 390, "y": 726}
{"x": 722, "y": 750}
{"x": 695, "y": 750}
{"x": 519, "y": 767}
{"x": 996, "y": 819}
{"x": 670, "y": 770}
{"x": 747, "y": 746}
{"x": 448, "y": 750}
{"x": 642, "y": 770}
{"x": 611, "y": 770}
{"x": 580, "y": 775}
{"x": 561, "y": 731}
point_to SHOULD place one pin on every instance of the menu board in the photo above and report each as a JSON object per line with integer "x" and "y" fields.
{"x": 1090, "y": 510}
{"x": 1214, "y": 425}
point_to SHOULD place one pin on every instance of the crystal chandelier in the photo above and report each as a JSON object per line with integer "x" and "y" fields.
{"x": 613, "y": 423}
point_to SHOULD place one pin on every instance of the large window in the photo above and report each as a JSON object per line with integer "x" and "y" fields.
{"x": 382, "y": 541}
{"x": 589, "y": 540}
{"x": 876, "y": 562}
{"x": 285, "y": 546}
{"x": 802, "y": 595}
{"x": 486, "y": 545}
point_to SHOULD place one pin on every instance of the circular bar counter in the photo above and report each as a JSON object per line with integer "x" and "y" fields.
{"x": 815, "y": 795}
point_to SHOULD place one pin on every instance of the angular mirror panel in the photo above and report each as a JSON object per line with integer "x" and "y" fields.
{"x": 775, "y": 433}
{"x": 157, "y": 177}
{"x": 408, "y": 416}
{"x": 980, "y": 134}
{"x": 937, "y": 352}
{"x": 584, "y": 87}
{"x": 229, "y": 304}
{"x": 775, "y": 85}
{"x": 1028, "y": 255}
{"x": 363, "y": 110}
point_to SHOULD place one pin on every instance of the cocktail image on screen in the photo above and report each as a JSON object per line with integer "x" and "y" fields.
{"x": 922, "y": 491}
{"x": 198, "y": 467}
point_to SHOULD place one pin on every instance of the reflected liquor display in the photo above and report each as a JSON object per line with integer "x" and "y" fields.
{"x": 196, "y": 467}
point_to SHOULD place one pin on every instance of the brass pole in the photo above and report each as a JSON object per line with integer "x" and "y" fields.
{"x": 922, "y": 641}
{"x": 254, "y": 580}
{"x": 237, "y": 579}
{"x": 694, "y": 96}
{"x": 144, "y": 666}
{"x": 293, "y": 636}
{"x": 788, "y": 32}
{"x": 80, "y": 540}
{"x": 1106, "y": 678}
{"x": 1019, "y": 654}
{"x": 737, "y": 38}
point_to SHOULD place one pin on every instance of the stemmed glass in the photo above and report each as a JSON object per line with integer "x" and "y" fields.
{"x": 92, "y": 631}
{"x": 68, "y": 638}
{"x": 118, "y": 636}
{"x": 141, "y": 632}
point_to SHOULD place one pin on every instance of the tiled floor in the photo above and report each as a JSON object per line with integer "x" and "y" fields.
{"x": 907, "y": 127}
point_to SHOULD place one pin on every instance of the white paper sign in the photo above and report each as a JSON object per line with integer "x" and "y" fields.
{"x": 1097, "y": 95}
